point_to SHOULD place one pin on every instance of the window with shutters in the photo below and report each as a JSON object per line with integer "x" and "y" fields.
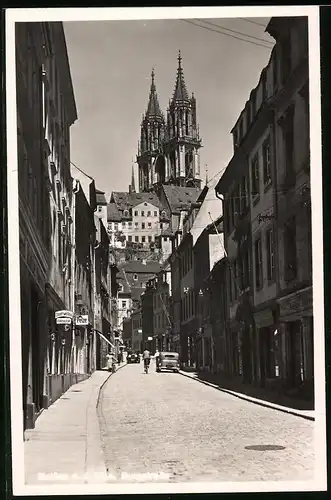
{"x": 290, "y": 250}
{"x": 255, "y": 173}
{"x": 258, "y": 263}
{"x": 266, "y": 162}
{"x": 270, "y": 252}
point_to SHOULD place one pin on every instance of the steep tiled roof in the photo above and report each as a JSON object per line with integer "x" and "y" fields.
{"x": 179, "y": 198}
{"x": 100, "y": 196}
{"x": 113, "y": 214}
{"x": 127, "y": 201}
{"x": 137, "y": 266}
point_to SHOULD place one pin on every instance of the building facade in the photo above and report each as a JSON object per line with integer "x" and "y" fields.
{"x": 293, "y": 220}
{"x": 161, "y": 310}
{"x": 268, "y": 220}
{"x": 45, "y": 111}
{"x": 147, "y": 304}
{"x": 136, "y": 318}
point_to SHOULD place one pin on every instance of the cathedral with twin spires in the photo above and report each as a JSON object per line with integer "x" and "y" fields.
{"x": 169, "y": 182}
{"x": 168, "y": 150}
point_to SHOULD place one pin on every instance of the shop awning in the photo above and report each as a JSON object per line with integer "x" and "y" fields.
{"x": 104, "y": 338}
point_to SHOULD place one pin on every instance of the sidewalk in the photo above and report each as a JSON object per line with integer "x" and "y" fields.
{"x": 307, "y": 414}
{"x": 65, "y": 446}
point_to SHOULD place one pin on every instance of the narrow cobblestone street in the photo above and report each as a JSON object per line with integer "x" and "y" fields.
{"x": 168, "y": 424}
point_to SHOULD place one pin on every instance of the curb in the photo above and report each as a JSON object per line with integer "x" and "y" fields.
{"x": 94, "y": 459}
{"x": 251, "y": 400}
{"x": 105, "y": 381}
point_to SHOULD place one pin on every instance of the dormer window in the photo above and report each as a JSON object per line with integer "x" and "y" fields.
{"x": 163, "y": 213}
{"x": 135, "y": 277}
{"x": 99, "y": 208}
{"x": 126, "y": 213}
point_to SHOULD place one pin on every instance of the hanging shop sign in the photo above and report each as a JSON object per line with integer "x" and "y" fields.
{"x": 63, "y": 317}
{"x": 82, "y": 320}
{"x": 64, "y": 314}
{"x": 63, "y": 321}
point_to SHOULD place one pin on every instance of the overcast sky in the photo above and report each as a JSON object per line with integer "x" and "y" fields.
{"x": 111, "y": 63}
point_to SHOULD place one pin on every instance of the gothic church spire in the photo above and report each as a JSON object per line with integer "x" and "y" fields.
{"x": 153, "y": 109}
{"x": 180, "y": 93}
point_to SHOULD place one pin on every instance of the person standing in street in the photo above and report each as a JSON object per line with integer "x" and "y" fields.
{"x": 157, "y": 357}
{"x": 146, "y": 358}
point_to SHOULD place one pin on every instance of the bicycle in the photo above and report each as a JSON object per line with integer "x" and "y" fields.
{"x": 146, "y": 365}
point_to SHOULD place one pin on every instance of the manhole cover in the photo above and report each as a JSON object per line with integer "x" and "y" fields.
{"x": 265, "y": 447}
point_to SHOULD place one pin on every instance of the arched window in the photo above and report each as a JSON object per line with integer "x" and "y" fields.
{"x": 126, "y": 213}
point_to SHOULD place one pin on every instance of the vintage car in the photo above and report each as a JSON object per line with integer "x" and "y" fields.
{"x": 133, "y": 357}
{"x": 168, "y": 361}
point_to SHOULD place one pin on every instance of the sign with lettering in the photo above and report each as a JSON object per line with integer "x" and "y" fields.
{"x": 82, "y": 320}
{"x": 64, "y": 314}
{"x": 63, "y": 321}
{"x": 296, "y": 303}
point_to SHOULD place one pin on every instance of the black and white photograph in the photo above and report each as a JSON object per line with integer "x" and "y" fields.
{"x": 166, "y": 292}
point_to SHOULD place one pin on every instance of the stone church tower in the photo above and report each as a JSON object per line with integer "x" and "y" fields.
{"x": 168, "y": 151}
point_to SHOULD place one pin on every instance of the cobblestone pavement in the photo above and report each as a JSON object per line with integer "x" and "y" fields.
{"x": 163, "y": 423}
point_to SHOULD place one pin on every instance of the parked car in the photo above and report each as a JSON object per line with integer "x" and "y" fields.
{"x": 133, "y": 358}
{"x": 168, "y": 361}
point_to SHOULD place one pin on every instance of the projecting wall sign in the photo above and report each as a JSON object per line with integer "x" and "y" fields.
{"x": 82, "y": 320}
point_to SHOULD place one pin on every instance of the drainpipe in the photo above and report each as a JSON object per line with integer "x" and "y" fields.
{"x": 73, "y": 273}
{"x": 280, "y": 329}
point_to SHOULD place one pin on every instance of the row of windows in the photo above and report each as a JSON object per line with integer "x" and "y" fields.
{"x": 240, "y": 268}
{"x": 238, "y": 201}
{"x": 188, "y": 305}
{"x": 115, "y": 225}
{"x": 160, "y": 320}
